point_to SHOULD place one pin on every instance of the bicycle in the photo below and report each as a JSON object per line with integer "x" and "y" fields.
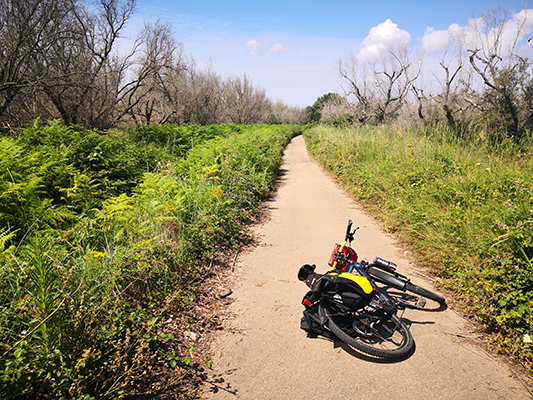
{"x": 348, "y": 303}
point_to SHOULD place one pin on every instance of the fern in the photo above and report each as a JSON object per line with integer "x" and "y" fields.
{"x": 84, "y": 192}
{"x": 6, "y": 235}
{"x": 117, "y": 216}
{"x": 160, "y": 198}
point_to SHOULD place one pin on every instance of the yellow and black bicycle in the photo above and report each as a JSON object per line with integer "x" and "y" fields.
{"x": 348, "y": 303}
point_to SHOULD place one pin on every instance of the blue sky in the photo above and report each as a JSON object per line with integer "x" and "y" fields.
{"x": 290, "y": 48}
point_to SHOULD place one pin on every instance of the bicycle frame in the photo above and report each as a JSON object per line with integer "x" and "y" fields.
{"x": 383, "y": 297}
{"x": 361, "y": 268}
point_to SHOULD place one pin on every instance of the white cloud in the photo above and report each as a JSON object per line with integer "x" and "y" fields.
{"x": 276, "y": 48}
{"x": 436, "y": 41}
{"x": 521, "y": 22}
{"x": 476, "y": 34}
{"x": 381, "y": 38}
{"x": 254, "y": 47}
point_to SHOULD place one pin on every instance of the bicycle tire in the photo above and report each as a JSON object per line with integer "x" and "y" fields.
{"x": 410, "y": 287}
{"x": 375, "y": 344}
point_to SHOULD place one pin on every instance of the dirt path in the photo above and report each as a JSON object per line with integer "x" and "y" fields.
{"x": 263, "y": 353}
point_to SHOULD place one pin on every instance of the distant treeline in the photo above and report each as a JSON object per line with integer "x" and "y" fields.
{"x": 481, "y": 81}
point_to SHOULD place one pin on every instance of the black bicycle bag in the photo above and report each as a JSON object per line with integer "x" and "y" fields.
{"x": 312, "y": 322}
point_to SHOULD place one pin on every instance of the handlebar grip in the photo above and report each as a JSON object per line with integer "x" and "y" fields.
{"x": 305, "y": 271}
{"x": 383, "y": 264}
{"x": 350, "y": 223}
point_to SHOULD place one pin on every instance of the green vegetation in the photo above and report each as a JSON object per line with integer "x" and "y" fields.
{"x": 466, "y": 207}
{"x": 101, "y": 232}
{"x": 314, "y": 112}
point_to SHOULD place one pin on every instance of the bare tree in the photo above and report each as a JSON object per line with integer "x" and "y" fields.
{"x": 357, "y": 83}
{"x": 154, "y": 95}
{"x": 502, "y": 71}
{"x": 380, "y": 87}
{"x": 28, "y": 31}
{"x": 334, "y": 106}
{"x": 393, "y": 82}
{"x": 244, "y": 103}
{"x": 59, "y": 58}
{"x": 81, "y": 62}
{"x": 452, "y": 66}
{"x": 202, "y": 94}
{"x": 281, "y": 113}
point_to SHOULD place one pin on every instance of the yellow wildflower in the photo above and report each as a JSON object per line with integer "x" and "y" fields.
{"x": 218, "y": 192}
{"x": 97, "y": 254}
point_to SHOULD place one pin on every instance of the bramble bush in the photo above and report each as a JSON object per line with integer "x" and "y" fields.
{"x": 100, "y": 233}
{"x": 466, "y": 207}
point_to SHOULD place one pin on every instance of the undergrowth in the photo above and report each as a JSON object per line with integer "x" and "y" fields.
{"x": 466, "y": 207}
{"x": 101, "y": 233}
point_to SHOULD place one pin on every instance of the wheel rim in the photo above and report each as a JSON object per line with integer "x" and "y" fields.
{"x": 382, "y": 337}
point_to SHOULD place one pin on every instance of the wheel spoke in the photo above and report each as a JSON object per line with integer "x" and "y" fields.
{"x": 371, "y": 334}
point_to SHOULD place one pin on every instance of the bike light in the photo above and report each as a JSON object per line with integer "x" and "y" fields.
{"x": 306, "y": 302}
{"x": 342, "y": 257}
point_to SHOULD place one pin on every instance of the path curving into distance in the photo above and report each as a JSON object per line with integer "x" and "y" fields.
{"x": 263, "y": 354}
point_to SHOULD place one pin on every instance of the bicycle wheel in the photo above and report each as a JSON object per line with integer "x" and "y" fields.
{"x": 424, "y": 293}
{"x": 380, "y": 337}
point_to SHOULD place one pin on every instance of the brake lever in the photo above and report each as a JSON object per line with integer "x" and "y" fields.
{"x": 350, "y": 236}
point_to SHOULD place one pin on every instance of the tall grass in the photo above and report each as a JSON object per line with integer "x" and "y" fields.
{"x": 81, "y": 299}
{"x": 465, "y": 207}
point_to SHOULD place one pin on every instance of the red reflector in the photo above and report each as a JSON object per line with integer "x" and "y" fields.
{"x": 307, "y": 302}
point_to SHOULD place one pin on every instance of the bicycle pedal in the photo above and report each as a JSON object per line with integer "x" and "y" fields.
{"x": 421, "y": 302}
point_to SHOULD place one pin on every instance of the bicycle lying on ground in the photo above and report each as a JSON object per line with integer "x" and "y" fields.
{"x": 348, "y": 303}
